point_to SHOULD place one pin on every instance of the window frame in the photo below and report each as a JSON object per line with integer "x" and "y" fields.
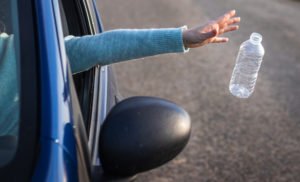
{"x": 84, "y": 81}
{"x": 97, "y": 92}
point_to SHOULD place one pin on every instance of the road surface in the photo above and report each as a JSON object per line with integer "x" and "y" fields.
{"x": 257, "y": 139}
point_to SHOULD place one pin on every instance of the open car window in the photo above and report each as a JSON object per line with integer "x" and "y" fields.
{"x": 76, "y": 22}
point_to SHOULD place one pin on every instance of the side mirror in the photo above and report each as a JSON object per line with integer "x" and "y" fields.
{"x": 142, "y": 133}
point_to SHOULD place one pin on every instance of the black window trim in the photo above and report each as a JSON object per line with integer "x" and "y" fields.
{"x": 84, "y": 82}
{"x": 91, "y": 85}
{"x": 100, "y": 101}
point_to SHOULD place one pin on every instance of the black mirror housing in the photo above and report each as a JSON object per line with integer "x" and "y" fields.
{"x": 142, "y": 133}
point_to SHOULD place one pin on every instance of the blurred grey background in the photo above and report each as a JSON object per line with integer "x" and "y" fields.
{"x": 257, "y": 139}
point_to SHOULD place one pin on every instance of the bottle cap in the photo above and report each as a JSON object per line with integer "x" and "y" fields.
{"x": 256, "y": 38}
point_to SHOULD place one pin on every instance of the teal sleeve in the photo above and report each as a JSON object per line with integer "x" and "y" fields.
{"x": 120, "y": 45}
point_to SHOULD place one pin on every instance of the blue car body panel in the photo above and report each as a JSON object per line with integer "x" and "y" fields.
{"x": 57, "y": 159}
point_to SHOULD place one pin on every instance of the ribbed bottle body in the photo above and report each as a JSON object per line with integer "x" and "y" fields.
{"x": 246, "y": 69}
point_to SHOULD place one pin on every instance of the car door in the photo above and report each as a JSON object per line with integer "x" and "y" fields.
{"x": 54, "y": 142}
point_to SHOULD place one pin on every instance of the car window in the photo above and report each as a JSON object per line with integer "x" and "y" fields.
{"x": 75, "y": 21}
{"x": 9, "y": 80}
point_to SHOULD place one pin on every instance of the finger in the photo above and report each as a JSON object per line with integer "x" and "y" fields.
{"x": 232, "y": 13}
{"x": 227, "y": 15}
{"x": 230, "y": 28}
{"x": 234, "y": 20}
{"x": 220, "y": 40}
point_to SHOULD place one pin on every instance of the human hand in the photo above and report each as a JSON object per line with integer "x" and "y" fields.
{"x": 209, "y": 33}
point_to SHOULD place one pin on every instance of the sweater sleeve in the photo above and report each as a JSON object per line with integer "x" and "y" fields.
{"x": 120, "y": 45}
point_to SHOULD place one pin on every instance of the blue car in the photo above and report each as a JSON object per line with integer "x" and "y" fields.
{"x": 76, "y": 127}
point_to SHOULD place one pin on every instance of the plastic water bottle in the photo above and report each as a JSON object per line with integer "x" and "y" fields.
{"x": 247, "y": 65}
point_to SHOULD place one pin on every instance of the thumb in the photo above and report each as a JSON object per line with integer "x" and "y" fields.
{"x": 210, "y": 34}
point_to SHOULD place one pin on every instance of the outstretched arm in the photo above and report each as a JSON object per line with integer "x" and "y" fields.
{"x": 120, "y": 45}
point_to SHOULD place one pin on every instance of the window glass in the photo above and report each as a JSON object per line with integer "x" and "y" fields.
{"x": 9, "y": 80}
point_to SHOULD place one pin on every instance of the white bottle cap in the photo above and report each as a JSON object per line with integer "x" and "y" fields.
{"x": 256, "y": 38}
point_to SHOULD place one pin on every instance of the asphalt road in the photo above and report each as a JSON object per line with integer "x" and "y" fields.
{"x": 257, "y": 139}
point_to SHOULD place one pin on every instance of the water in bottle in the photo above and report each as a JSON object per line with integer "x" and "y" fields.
{"x": 247, "y": 65}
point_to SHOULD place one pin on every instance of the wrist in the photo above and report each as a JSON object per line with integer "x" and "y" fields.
{"x": 184, "y": 31}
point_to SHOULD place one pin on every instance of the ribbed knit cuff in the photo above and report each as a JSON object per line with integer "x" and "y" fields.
{"x": 185, "y": 49}
{"x": 4, "y": 35}
{"x": 165, "y": 40}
